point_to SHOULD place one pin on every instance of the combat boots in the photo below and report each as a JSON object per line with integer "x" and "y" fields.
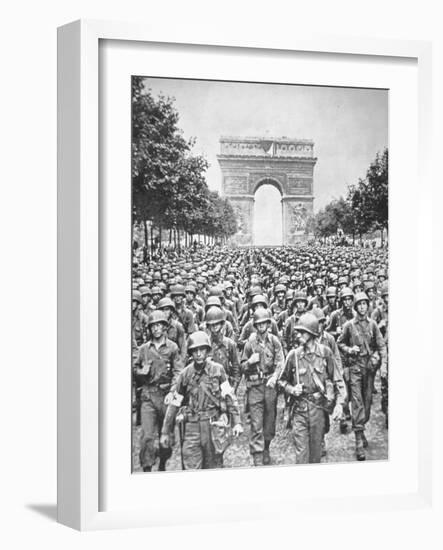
{"x": 266, "y": 457}
{"x": 359, "y": 449}
{"x": 364, "y": 440}
{"x": 258, "y": 459}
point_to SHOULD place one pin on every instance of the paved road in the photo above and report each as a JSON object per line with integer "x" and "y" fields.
{"x": 340, "y": 448}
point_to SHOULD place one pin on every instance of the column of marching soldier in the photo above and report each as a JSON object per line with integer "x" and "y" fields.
{"x": 310, "y": 323}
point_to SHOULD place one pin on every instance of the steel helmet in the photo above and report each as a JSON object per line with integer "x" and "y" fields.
{"x": 157, "y": 316}
{"x": 289, "y": 294}
{"x": 214, "y": 315}
{"x": 357, "y": 282}
{"x": 212, "y": 301}
{"x": 331, "y": 292}
{"x": 198, "y": 339}
{"x": 216, "y": 291}
{"x": 300, "y": 296}
{"x": 261, "y": 316}
{"x": 166, "y": 302}
{"x": 369, "y": 285}
{"x": 384, "y": 291}
{"x": 342, "y": 280}
{"x": 259, "y": 299}
{"x": 279, "y": 288}
{"x": 253, "y": 291}
{"x": 156, "y": 290}
{"x": 361, "y": 297}
{"x": 145, "y": 291}
{"x": 177, "y": 290}
{"x": 136, "y": 296}
{"x": 308, "y": 322}
{"x": 190, "y": 288}
{"x": 319, "y": 313}
{"x": 346, "y": 293}
{"x": 228, "y": 284}
{"x": 319, "y": 282}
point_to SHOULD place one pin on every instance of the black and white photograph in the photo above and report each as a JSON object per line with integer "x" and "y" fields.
{"x": 260, "y": 262}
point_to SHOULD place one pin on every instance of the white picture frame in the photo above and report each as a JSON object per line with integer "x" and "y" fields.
{"x": 80, "y": 207}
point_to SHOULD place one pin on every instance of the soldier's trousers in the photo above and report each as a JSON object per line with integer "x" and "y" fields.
{"x": 198, "y": 449}
{"x": 384, "y": 394}
{"x": 308, "y": 428}
{"x": 153, "y": 410}
{"x": 361, "y": 383}
{"x": 262, "y": 405}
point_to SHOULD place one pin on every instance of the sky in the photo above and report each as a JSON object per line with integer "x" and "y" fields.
{"x": 348, "y": 125}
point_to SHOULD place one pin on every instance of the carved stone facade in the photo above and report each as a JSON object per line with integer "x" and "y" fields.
{"x": 288, "y": 164}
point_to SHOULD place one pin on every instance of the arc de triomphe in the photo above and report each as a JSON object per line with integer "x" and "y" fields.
{"x": 287, "y": 164}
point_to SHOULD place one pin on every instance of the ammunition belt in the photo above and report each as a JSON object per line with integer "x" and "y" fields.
{"x": 201, "y": 416}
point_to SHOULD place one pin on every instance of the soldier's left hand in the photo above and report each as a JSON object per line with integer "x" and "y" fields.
{"x": 168, "y": 398}
{"x": 237, "y": 430}
{"x": 337, "y": 413}
{"x": 271, "y": 382}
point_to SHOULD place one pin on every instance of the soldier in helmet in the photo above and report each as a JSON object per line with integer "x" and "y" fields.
{"x": 312, "y": 380}
{"x": 139, "y": 319}
{"x": 208, "y": 406}
{"x": 174, "y": 330}
{"x": 258, "y": 302}
{"x": 364, "y": 347}
{"x": 223, "y": 349}
{"x": 279, "y": 304}
{"x": 331, "y": 302}
{"x": 300, "y": 302}
{"x": 380, "y": 316}
{"x": 228, "y": 331}
{"x": 194, "y": 305}
{"x": 156, "y": 369}
{"x": 262, "y": 362}
{"x": 319, "y": 299}
{"x": 182, "y": 313}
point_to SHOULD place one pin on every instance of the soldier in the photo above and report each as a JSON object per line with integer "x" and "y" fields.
{"x": 182, "y": 313}
{"x": 156, "y": 368}
{"x": 380, "y": 316}
{"x": 331, "y": 302}
{"x": 223, "y": 349}
{"x": 363, "y": 345}
{"x": 279, "y": 305}
{"x": 139, "y": 319}
{"x": 174, "y": 330}
{"x": 299, "y": 308}
{"x": 146, "y": 294}
{"x": 312, "y": 380}
{"x": 193, "y": 305}
{"x": 319, "y": 300}
{"x": 258, "y": 302}
{"x": 262, "y": 362}
{"x": 228, "y": 331}
{"x": 208, "y": 407}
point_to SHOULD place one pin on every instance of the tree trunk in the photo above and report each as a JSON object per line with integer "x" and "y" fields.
{"x": 170, "y": 237}
{"x": 152, "y": 237}
{"x": 160, "y": 237}
{"x": 145, "y": 227}
{"x": 179, "y": 240}
{"x": 175, "y": 238}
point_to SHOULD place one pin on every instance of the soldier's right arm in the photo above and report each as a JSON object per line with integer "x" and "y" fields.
{"x": 177, "y": 365}
{"x": 247, "y": 352}
{"x": 344, "y": 340}
{"x": 332, "y": 327}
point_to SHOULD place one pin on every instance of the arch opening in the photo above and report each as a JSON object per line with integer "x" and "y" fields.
{"x": 268, "y": 217}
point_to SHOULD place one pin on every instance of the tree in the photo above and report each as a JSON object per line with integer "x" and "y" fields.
{"x": 168, "y": 181}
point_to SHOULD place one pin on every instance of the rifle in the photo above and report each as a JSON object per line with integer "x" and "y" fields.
{"x": 181, "y": 435}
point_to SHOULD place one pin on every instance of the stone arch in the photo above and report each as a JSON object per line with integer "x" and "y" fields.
{"x": 247, "y": 163}
{"x": 267, "y": 180}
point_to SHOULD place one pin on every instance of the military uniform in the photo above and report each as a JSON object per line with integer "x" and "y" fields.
{"x": 322, "y": 384}
{"x": 224, "y": 351}
{"x": 261, "y": 399}
{"x": 249, "y": 329}
{"x": 186, "y": 318}
{"x": 156, "y": 370}
{"x": 176, "y": 333}
{"x": 365, "y": 334}
{"x": 201, "y": 394}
